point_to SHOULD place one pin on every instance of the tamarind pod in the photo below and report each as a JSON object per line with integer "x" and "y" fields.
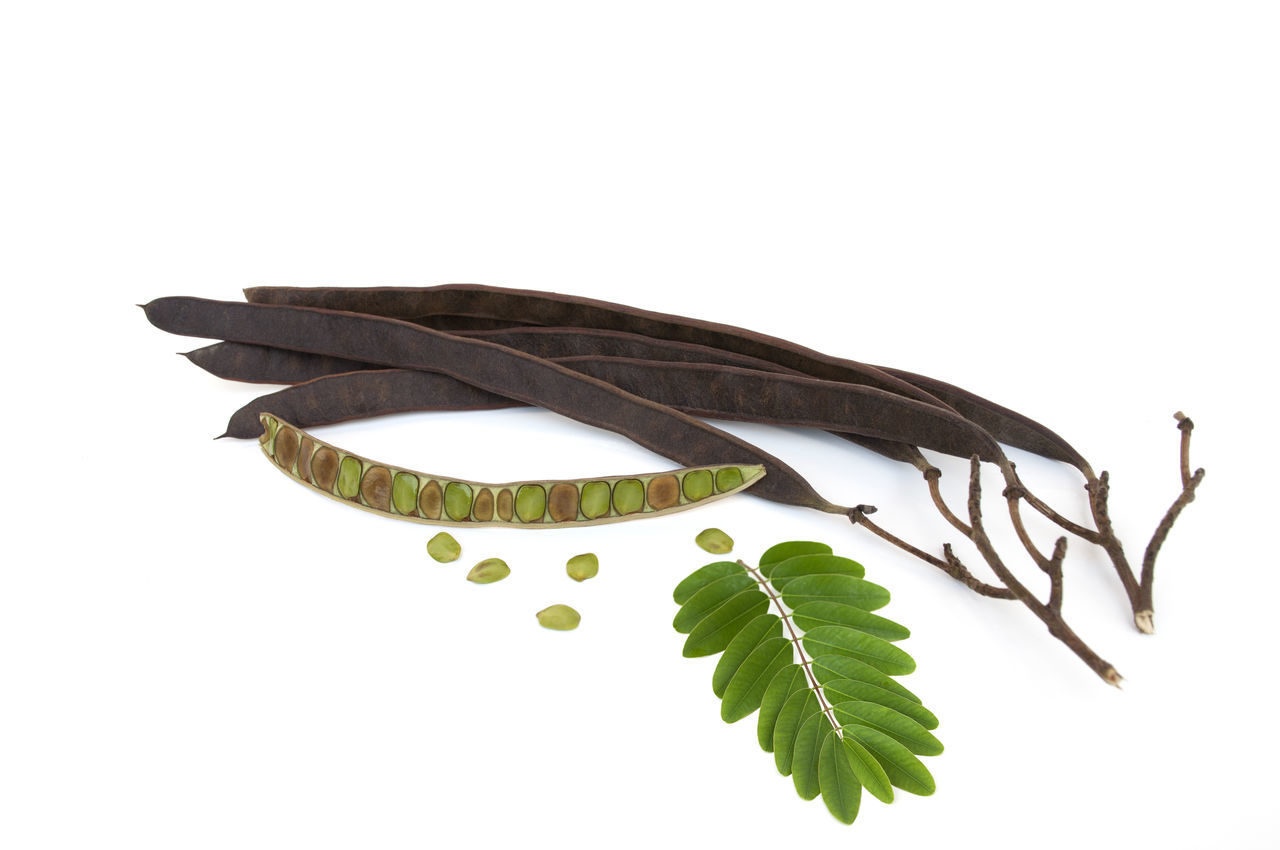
{"x": 552, "y": 309}
{"x": 545, "y": 308}
{"x": 714, "y": 391}
{"x": 345, "y": 396}
{"x": 441, "y": 500}
{"x": 259, "y": 364}
{"x": 500, "y": 370}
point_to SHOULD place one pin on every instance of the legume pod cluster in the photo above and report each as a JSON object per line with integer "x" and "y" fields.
{"x": 356, "y": 352}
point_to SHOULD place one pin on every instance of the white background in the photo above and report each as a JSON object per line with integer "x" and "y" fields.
{"x": 1069, "y": 209}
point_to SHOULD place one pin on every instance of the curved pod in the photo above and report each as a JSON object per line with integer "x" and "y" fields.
{"x": 439, "y": 500}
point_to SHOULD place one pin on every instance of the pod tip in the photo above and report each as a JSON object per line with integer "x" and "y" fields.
{"x": 1113, "y": 678}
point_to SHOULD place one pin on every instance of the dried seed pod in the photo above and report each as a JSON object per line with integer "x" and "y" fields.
{"x": 423, "y": 497}
{"x": 714, "y": 541}
{"x": 582, "y": 567}
{"x": 488, "y": 571}
{"x": 444, "y": 548}
{"x": 562, "y": 618}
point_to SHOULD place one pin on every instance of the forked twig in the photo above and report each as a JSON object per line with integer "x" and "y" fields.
{"x": 1050, "y": 614}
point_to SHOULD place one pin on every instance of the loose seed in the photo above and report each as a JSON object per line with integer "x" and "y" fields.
{"x": 582, "y": 567}
{"x": 559, "y": 617}
{"x": 444, "y": 548}
{"x": 714, "y": 541}
{"x": 488, "y": 571}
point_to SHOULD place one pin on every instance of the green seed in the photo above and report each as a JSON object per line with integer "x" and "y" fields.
{"x": 443, "y": 548}
{"x": 595, "y": 499}
{"x": 349, "y": 476}
{"x": 404, "y": 493}
{"x": 583, "y": 567}
{"x": 531, "y": 503}
{"x": 728, "y": 478}
{"x": 715, "y": 541}
{"x": 628, "y": 496}
{"x": 697, "y": 485}
{"x": 488, "y": 571}
{"x": 559, "y": 617}
{"x": 457, "y": 501}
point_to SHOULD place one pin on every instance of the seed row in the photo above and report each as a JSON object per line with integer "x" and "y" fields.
{"x": 427, "y": 498}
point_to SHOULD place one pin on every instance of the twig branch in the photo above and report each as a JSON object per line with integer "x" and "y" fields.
{"x": 1050, "y": 615}
{"x": 1144, "y": 612}
{"x": 951, "y": 566}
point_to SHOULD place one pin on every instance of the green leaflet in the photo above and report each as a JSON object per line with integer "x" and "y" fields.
{"x": 829, "y": 667}
{"x": 810, "y": 615}
{"x": 868, "y": 771}
{"x": 752, "y": 635}
{"x": 843, "y": 690}
{"x": 871, "y": 650}
{"x": 799, "y": 707}
{"x": 844, "y": 589}
{"x": 804, "y": 758}
{"x": 715, "y": 631}
{"x": 708, "y": 599}
{"x": 813, "y": 565}
{"x": 783, "y": 551}
{"x": 746, "y": 689}
{"x": 703, "y": 577}
{"x": 901, "y": 728}
{"x": 786, "y": 682}
{"x": 900, "y": 765}
{"x": 838, "y": 721}
{"x": 841, "y": 790}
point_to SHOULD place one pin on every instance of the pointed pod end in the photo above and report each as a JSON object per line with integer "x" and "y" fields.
{"x": 1145, "y": 621}
{"x": 1111, "y": 677}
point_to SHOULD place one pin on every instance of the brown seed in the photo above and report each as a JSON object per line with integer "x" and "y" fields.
{"x": 430, "y": 500}
{"x": 376, "y": 488}
{"x": 506, "y": 505}
{"x": 324, "y": 468}
{"x": 286, "y": 448}
{"x": 483, "y": 508}
{"x": 562, "y": 504}
{"x": 664, "y": 492}
{"x": 304, "y": 458}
